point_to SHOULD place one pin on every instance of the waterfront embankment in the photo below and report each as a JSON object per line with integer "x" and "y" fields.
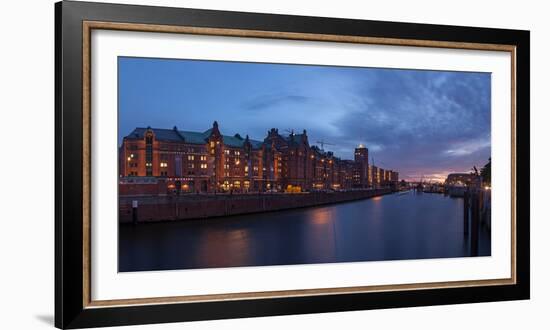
{"x": 200, "y": 206}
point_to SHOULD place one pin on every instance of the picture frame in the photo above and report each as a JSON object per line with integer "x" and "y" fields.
{"x": 74, "y": 304}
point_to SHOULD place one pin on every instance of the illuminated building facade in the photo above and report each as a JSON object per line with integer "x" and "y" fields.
{"x": 461, "y": 179}
{"x": 361, "y": 175}
{"x": 212, "y": 162}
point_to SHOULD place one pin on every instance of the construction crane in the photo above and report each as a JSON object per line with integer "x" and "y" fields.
{"x": 323, "y": 143}
{"x": 290, "y": 131}
{"x": 379, "y": 162}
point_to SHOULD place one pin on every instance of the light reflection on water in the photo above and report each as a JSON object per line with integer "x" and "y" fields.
{"x": 390, "y": 227}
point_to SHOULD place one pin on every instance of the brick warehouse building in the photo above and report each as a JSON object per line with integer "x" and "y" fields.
{"x": 212, "y": 162}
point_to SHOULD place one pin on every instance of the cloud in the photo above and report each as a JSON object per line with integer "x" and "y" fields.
{"x": 422, "y": 121}
{"x": 264, "y": 102}
{"x": 414, "y": 121}
{"x": 467, "y": 147}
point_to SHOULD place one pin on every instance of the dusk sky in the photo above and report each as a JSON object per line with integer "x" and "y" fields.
{"x": 419, "y": 123}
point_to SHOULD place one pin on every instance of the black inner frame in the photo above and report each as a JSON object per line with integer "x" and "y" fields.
{"x": 69, "y": 308}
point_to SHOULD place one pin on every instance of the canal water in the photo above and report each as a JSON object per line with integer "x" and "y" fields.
{"x": 390, "y": 227}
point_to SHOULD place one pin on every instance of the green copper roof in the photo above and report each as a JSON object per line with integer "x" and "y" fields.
{"x": 174, "y": 135}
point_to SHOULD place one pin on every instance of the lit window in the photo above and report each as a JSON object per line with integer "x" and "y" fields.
{"x": 204, "y": 166}
{"x": 203, "y": 158}
{"x": 163, "y": 164}
{"x": 190, "y": 157}
{"x": 227, "y": 152}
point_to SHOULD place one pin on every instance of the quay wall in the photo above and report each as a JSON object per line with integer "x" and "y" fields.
{"x": 200, "y": 206}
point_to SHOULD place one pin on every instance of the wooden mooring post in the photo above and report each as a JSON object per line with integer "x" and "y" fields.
{"x": 471, "y": 222}
{"x": 466, "y": 212}
{"x": 134, "y": 212}
{"x": 475, "y": 210}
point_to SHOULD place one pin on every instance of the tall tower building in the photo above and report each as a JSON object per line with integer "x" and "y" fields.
{"x": 362, "y": 163}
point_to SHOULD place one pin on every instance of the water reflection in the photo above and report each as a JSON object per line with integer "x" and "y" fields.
{"x": 223, "y": 248}
{"x": 391, "y": 227}
{"x": 319, "y": 235}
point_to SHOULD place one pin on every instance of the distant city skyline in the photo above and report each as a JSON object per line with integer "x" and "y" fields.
{"x": 418, "y": 122}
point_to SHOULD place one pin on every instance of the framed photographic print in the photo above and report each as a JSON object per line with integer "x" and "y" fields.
{"x": 215, "y": 164}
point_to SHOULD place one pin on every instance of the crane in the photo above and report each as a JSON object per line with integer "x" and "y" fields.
{"x": 379, "y": 162}
{"x": 290, "y": 131}
{"x": 323, "y": 143}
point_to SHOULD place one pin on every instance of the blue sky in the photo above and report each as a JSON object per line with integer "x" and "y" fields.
{"x": 420, "y": 123}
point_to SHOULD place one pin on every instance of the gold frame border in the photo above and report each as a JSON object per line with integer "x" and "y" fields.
{"x": 88, "y": 26}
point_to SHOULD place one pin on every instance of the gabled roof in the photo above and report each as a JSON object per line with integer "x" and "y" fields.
{"x": 173, "y": 135}
{"x": 238, "y": 141}
{"x": 161, "y": 134}
{"x": 256, "y": 144}
{"x": 233, "y": 141}
{"x": 317, "y": 150}
{"x": 195, "y": 137}
{"x": 295, "y": 139}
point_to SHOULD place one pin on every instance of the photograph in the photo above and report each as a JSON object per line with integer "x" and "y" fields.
{"x": 249, "y": 164}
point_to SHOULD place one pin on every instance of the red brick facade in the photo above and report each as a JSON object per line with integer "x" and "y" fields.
{"x": 212, "y": 162}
